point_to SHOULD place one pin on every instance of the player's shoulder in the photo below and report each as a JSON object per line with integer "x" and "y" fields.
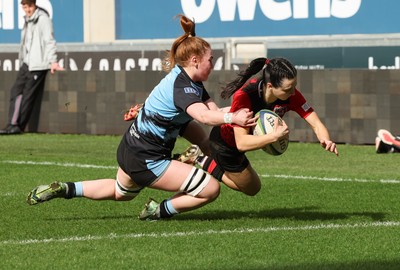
{"x": 297, "y": 95}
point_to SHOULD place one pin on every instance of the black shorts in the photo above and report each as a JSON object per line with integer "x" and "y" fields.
{"x": 141, "y": 170}
{"x": 227, "y": 157}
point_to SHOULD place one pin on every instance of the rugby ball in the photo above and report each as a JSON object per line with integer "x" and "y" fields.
{"x": 265, "y": 125}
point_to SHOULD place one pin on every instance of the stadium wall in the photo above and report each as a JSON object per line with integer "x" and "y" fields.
{"x": 111, "y": 49}
{"x": 354, "y": 104}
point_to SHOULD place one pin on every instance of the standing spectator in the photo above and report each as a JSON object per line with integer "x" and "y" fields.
{"x": 37, "y": 54}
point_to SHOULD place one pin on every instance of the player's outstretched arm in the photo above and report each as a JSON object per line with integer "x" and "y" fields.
{"x": 204, "y": 115}
{"x": 322, "y": 133}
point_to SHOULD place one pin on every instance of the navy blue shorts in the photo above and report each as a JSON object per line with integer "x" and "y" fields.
{"x": 142, "y": 172}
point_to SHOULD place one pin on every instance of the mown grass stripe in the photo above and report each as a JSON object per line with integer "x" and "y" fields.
{"x": 112, "y": 236}
{"x": 282, "y": 176}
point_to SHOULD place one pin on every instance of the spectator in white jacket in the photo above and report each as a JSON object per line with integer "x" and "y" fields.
{"x": 37, "y": 56}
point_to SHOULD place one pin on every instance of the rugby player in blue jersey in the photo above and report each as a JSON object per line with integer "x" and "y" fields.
{"x": 144, "y": 154}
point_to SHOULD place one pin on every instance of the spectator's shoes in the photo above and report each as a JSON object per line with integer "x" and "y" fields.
{"x": 386, "y": 142}
{"x": 381, "y": 147}
{"x": 11, "y": 130}
{"x": 388, "y": 138}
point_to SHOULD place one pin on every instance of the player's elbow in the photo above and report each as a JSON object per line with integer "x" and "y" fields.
{"x": 242, "y": 146}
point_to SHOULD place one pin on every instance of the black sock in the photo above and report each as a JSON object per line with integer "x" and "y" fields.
{"x": 70, "y": 190}
{"x": 200, "y": 160}
{"x": 164, "y": 213}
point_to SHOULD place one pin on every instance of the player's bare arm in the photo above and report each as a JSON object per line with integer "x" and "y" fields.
{"x": 322, "y": 133}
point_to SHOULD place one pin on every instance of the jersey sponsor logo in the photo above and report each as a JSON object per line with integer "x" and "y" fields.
{"x": 133, "y": 132}
{"x": 190, "y": 90}
{"x": 305, "y": 107}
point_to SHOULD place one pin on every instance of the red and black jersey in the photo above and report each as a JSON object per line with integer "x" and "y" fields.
{"x": 250, "y": 96}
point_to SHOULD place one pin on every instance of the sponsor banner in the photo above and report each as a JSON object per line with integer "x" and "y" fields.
{"x": 341, "y": 57}
{"x": 67, "y": 16}
{"x": 138, "y": 19}
{"x": 302, "y": 58}
{"x": 248, "y": 18}
{"x": 105, "y": 61}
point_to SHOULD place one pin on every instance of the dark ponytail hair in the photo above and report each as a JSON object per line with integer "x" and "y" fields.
{"x": 273, "y": 71}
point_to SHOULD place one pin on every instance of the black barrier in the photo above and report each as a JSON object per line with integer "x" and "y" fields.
{"x": 353, "y": 104}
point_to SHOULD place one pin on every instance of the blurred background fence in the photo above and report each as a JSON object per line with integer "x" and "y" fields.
{"x": 349, "y": 68}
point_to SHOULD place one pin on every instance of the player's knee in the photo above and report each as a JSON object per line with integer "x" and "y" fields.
{"x": 212, "y": 190}
{"x": 123, "y": 193}
{"x": 251, "y": 192}
{"x": 252, "y": 189}
{"x": 199, "y": 181}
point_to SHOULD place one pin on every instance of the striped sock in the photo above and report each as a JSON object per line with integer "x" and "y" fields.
{"x": 166, "y": 209}
{"x": 73, "y": 189}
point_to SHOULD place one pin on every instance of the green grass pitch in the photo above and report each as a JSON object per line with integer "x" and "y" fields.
{"x": 315, "y": 211}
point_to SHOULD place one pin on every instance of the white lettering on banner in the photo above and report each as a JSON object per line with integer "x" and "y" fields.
{"x": 7, "y": 10}
{"x": 117, "y": 64}
{"x": 129, "y": 64}
{"x": 104, "y": 64}
{"x": 157, "y": 64}
{"x": 345, "y": 9}
{"x": 272, "y": 9}
{"x": 143, "y": 63}
{"x": 372, "y": 66}
{"x": 88, "y": 65}
{"x": 8, "y": 66}
{"x": 245, "y": 8}
{"x": 337, "y": 8}
{"x": 200, "y": 13}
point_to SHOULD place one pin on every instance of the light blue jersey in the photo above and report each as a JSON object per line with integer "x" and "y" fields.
{"x": 152, "y": 136}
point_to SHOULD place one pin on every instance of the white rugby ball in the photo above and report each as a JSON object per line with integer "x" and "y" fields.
{"x": 265, "y": 125}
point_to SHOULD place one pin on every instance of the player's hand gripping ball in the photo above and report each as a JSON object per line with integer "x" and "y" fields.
{"x": 265, "y": 125}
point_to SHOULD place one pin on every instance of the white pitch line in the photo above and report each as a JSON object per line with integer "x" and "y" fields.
{"x": 282, "y": 176}
{"x": 113, "y": 236}
{"x": 331, "y": 179}
{"x": 48, "y": 163}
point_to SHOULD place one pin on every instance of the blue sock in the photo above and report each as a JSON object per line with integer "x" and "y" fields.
{"x": 78, "y": 189}
{"x": 170, "y": 208}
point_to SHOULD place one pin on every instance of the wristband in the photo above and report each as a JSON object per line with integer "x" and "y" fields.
{"x": 228, "y": 118}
